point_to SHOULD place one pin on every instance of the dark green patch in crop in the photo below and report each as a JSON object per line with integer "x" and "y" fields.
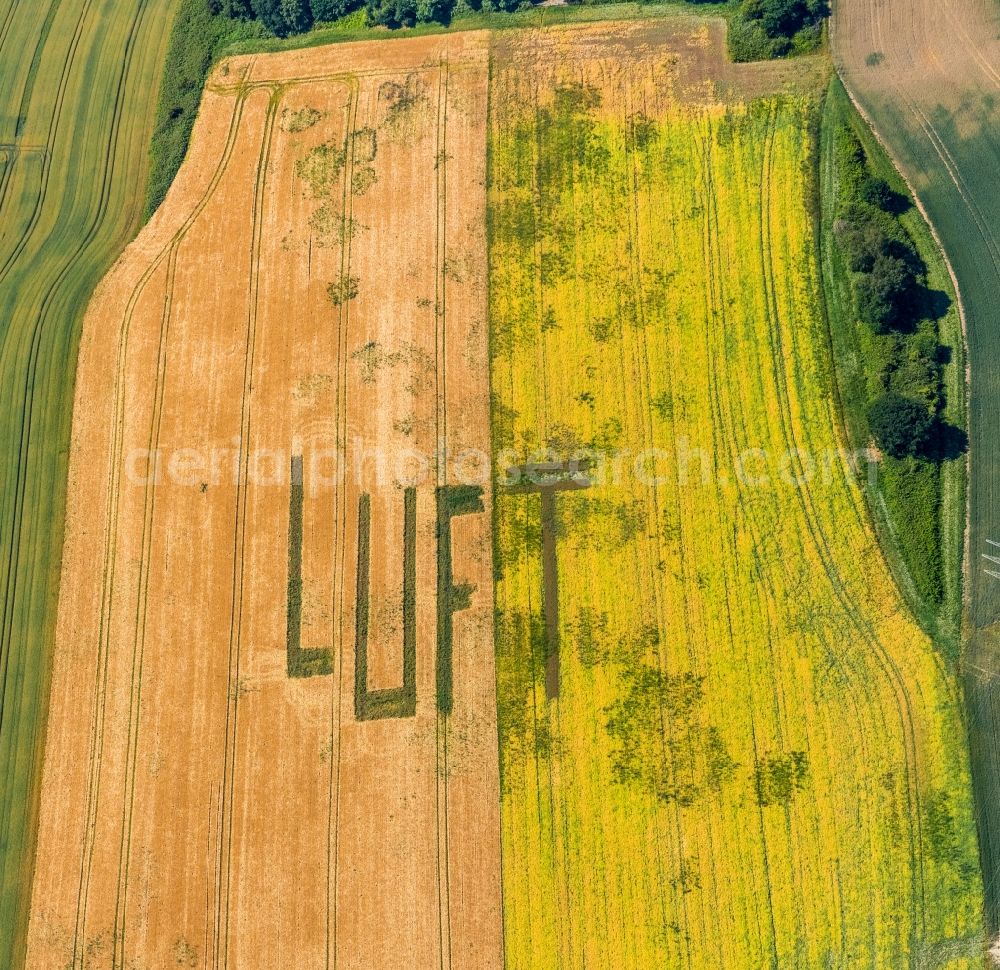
{"x": 778, "y": 778}
{"x": 662, "y": 742}
{"x": 370, "y": 705}
{"x": 452, "y": 501}
{"x": 321, "y": 168}
{"x": 343, "y": 290}
{"x": 300, "y": 663}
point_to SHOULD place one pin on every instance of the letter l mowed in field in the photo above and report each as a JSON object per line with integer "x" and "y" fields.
{"x": 255, "y": 805}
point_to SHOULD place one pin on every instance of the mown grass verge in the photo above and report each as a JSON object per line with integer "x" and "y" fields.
{"x": 917, "y": 503}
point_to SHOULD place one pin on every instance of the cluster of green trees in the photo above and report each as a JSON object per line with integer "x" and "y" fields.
{"x": 760, "y": 29}
{"x": 890, "y": 294}
{"x": 879, "y": 251}
{"x": 764, "y": 29}
{"x": 198, "y": 36}
{"x": 286, "y": 17}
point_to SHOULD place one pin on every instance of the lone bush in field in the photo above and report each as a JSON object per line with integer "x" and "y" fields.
{"x": 901, "y": 426}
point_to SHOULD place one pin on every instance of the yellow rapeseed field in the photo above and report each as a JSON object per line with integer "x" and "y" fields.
{"x": 755, "y": 758}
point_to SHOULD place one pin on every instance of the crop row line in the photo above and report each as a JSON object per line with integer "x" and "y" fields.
{"x": 111, "y": 540}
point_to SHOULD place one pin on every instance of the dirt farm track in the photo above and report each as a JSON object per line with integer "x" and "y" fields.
{"x": 204, "y": 801}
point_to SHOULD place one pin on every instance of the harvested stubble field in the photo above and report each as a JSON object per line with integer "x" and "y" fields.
{"x": 756, "y": 758}
{"x": 219, "y": 789}
{"x": 75, "y": 77}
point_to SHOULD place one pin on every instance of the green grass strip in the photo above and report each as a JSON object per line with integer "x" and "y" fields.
{"x": 371, "y": 705}
{"x": 452, "y": 501}
{"x": 301, "y": 663}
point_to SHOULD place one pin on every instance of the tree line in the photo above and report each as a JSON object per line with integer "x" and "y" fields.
{"x": 888, "y": 279}
{"x": 286, "y": 17}
{"x": 760, "y": 29}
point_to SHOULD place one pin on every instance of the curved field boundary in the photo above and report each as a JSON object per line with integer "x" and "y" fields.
{"x": 750, "y": 752}
{"x": 91, "y": 74}
{"x": 926, "y": 76}
{"x": 371, "y": 777}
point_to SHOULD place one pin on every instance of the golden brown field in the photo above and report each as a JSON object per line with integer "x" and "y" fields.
{"x": 218, "y": 790}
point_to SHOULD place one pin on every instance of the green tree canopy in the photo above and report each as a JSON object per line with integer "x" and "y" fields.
{"x": 901, "y": 426}
{"x": 884, "y": 294}
{"x": 330, "y": 10}
{"x": 283, "y": 17}
{"x": 784, "y": 18}
{"x": 233, "y": 9}
{"x": 877, "y": 192}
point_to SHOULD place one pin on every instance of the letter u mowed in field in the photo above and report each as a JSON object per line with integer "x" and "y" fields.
{"x": 462, "y": 550}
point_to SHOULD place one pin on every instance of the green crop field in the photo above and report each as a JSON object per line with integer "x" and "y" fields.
{"x": 75, "y": 124}
{"x": 927, "y": 75}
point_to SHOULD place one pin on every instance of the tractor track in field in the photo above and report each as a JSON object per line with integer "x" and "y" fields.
{"x": 721, "y": 423}
{"x": 239, "y": 546}
{"x": 46, "y": 306}
{"x": 341, "y": 515}
{"x": 12, "y": 547}
{"x": 642, "y": 367}
{"x": 8, "y": 22}
{"x": 925, "y": 77}
{"x": 53, "y": 129}
{"x": 441, "y": 433}
{"x": 121, "y": 898}
{"x": 114, "y": 472}
{"x": 813, "y": 521}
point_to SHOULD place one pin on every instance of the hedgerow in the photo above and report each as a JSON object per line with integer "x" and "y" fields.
{"x": 886, "y": 316}
{"x": 198, "y": 37}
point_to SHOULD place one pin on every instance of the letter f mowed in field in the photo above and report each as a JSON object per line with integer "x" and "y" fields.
{"x": 276, "y": 738}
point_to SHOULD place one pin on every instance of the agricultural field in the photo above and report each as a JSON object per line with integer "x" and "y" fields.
{"x": 275, "y": 740}
{"x": 927, "y": 75}
{"x": 464, "y": 564}
{"x": 731, "y": 746}
{"x": 75, "y": 79}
